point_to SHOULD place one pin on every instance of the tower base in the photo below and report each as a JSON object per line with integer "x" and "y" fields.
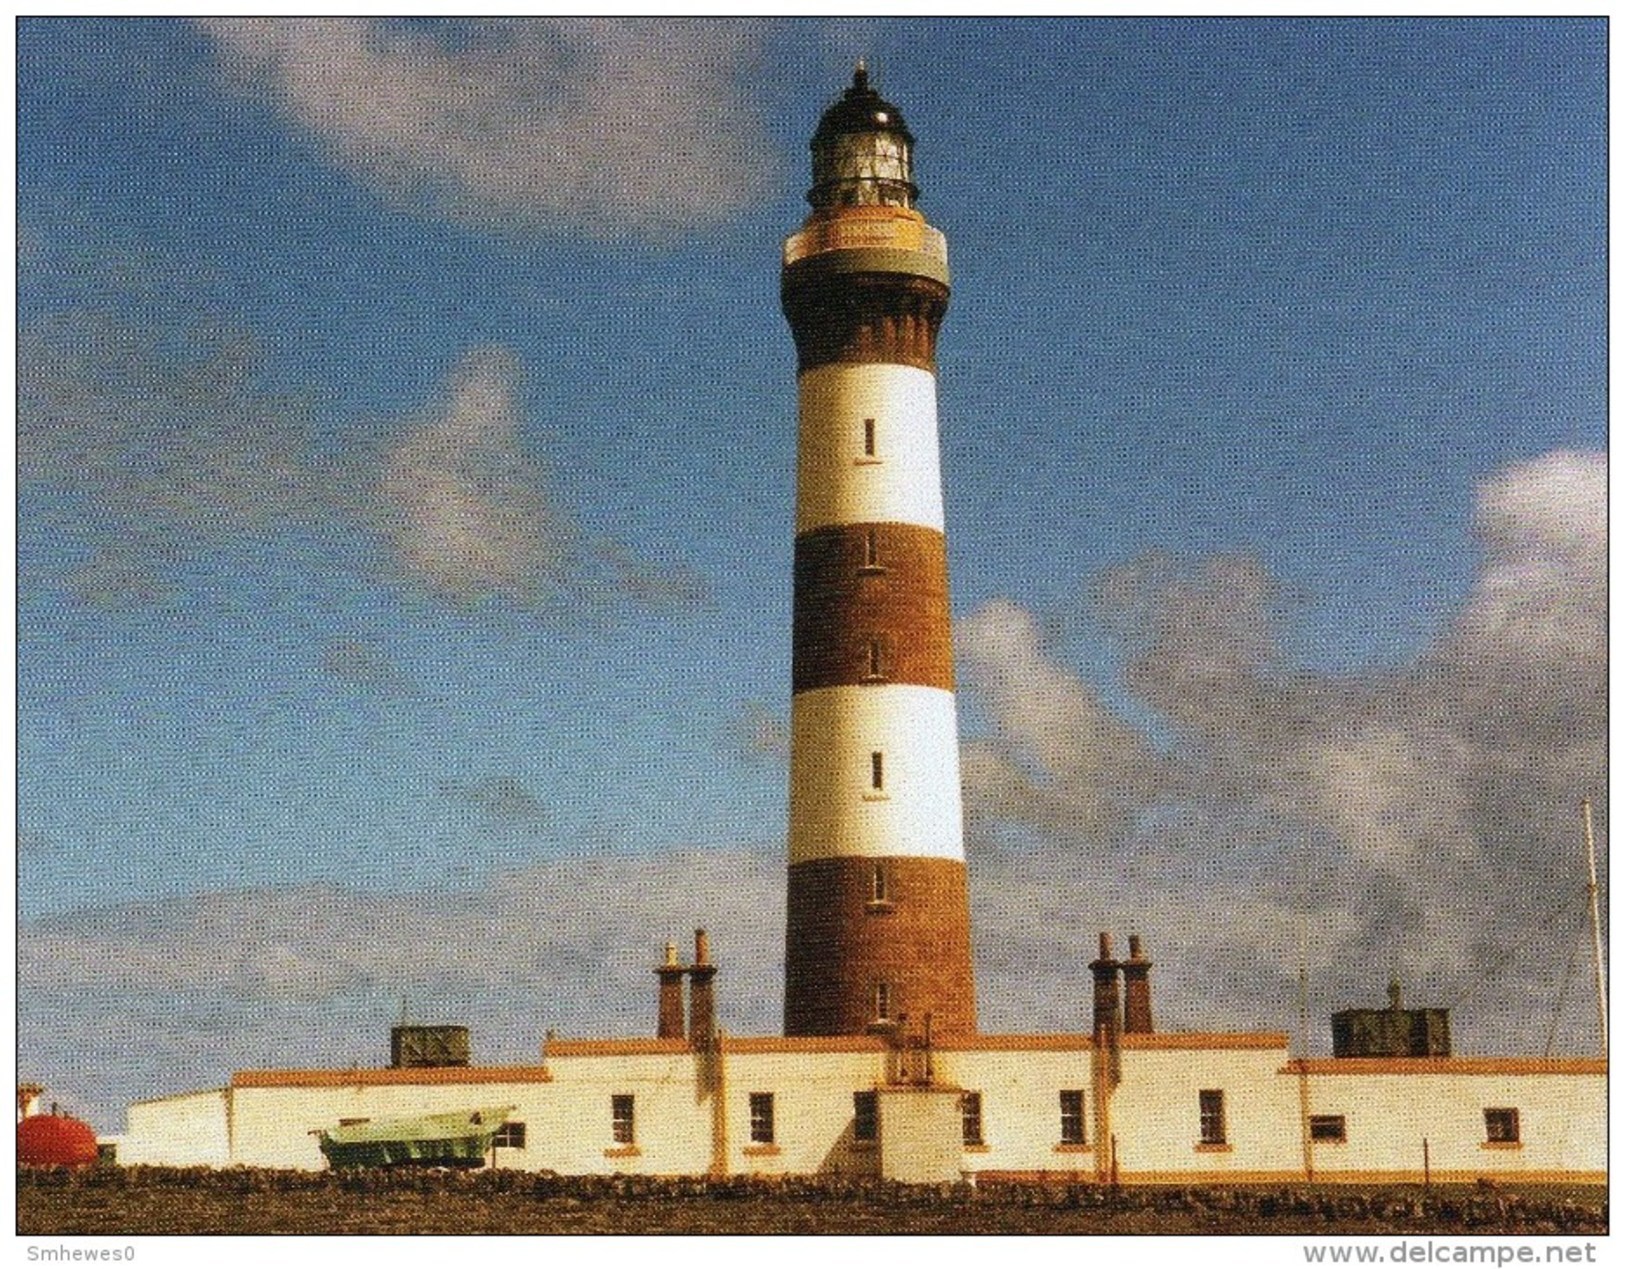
{"x": 875, "y": 941}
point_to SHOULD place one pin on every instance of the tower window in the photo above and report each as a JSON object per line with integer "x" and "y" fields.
{"x": 1211, "y": 1104}
{"x": 877, "y": 659}
{"x": 761, "y": 1119}
{"x": 1072, "y": 1133}
{"x": 882, "y": 1002}
{"x": 970, "y": 1115}
{"x": 871, "y": 549}
{"x": 881, "y": 891}
{"x": 865, "y": 1116}
{"x": 877, "y": 770}
{"x": 868, "y": 438}
{"x": 620, "y": 1119}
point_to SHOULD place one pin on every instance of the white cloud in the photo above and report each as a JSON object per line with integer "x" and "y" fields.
{"x": 602, "y": 125}
{"x": 463, "y": 506}
{"x": 170, "y": 437}
{"x": 1542, "y": 594}
{"x": 175, "y": 445}
{"x": 1418, "y": 818}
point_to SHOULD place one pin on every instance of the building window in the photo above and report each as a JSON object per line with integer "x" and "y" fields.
{"x": 877, "y": 770}
{"x": 1327, "y": 1128}
{"x": 1072, "y": 1133}
{"x": 882, "y": 1001}
{"x": 1501, "y": 1125}
{"x": 881, "y": 892}
{"x": 970, "y": 1115}
{"x": 865, "y": 1116}
{"x": 510, "y": 1134}
{"x": 621, "y": 1120}
{"x": 868, "y": 438}
{"x": 877, "y": 658}
{"x": 871, "y": 549}
{"x": 761, "y": 1119}
{"x": 1212, "y": 1105}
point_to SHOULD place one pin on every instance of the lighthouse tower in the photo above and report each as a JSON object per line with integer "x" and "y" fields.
{"x": 878, "y": 930}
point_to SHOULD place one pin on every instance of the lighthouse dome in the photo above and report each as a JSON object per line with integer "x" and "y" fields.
{"x": 862, "y": 152}
{"x": 860, "y": 109}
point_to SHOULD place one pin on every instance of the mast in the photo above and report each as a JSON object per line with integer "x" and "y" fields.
{"x": 1596, "y": 925}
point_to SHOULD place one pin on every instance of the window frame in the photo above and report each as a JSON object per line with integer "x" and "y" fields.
{"x": 510, "y": 1136}
{"x": 971, "y": 1128}
{"x": 762, "y": 1125}
{"x": 877, "y": 770}
{"x": 1074, "y": 1125}
{"x": 882, "y": 1001}
{"x": 1328, "y": 1129}
{"x": 1499, "y": 1122}
{"x": 1211, "y": 1127}
{"x": 623, "y": 1119}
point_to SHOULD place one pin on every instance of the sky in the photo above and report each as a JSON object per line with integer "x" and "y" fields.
{"x": 405, "y": 460}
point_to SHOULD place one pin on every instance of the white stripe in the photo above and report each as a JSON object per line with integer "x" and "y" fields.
{"x": 836, "y": 481}
{"x": 835, "y": 808}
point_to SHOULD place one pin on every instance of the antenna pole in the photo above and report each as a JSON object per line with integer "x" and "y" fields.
{"x": 1596, "y": 924}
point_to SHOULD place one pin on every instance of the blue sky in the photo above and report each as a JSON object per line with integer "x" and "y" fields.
{"x": 406, "y": 459}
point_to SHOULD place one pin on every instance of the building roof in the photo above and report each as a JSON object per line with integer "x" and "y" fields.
{"x": 361, "y": 1076}
{"x": 1448, "y": 1066}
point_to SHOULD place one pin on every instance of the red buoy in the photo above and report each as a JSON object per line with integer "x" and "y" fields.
{"x": 46, "y": 1141}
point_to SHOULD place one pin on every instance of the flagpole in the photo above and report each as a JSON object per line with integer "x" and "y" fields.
{"x": 1596, "y": 924}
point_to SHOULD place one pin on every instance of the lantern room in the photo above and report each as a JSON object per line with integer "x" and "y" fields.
{"x": 862, "y": 152}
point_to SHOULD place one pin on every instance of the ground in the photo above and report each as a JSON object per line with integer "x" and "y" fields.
{"x": 250, "y": 1201}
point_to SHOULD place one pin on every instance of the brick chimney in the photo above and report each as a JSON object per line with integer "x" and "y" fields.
{"x": 1136, "y": 990}
{"x": 702, "y": 1002}
{"x": 670, "y": 1023}
{"x": 1108, "y": 1014}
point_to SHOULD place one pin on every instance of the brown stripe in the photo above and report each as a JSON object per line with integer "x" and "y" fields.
{"x": 842, "y": 942}
{"x": 866, "y": 318}
{"x": 871, "y": 606}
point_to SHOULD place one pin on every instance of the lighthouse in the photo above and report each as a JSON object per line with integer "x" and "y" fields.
{"x": 878, "y": 928}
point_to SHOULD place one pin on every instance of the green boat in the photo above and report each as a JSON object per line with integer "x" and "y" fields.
{"x": 456, "y": 1139}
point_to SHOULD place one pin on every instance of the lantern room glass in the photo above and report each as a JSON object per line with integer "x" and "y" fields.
{"x": 863, "y": 169}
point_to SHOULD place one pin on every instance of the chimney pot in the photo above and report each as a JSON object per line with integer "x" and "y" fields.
{"x": 669, "y": 1017}
{"x": 1108, "y": 1003}
{"x": 702, "y": 1001}
{"x": 1136, "y": 990}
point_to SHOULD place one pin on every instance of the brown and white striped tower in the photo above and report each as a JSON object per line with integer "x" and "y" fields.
{"x": 879, "y": 917}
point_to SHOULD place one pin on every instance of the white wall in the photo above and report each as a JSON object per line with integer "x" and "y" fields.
{"x": 836, "y": 482}
{"x": 1154, "y": 1113}
{"x": 188, "y": 1130}
{"x": 1562, "y": 1124}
